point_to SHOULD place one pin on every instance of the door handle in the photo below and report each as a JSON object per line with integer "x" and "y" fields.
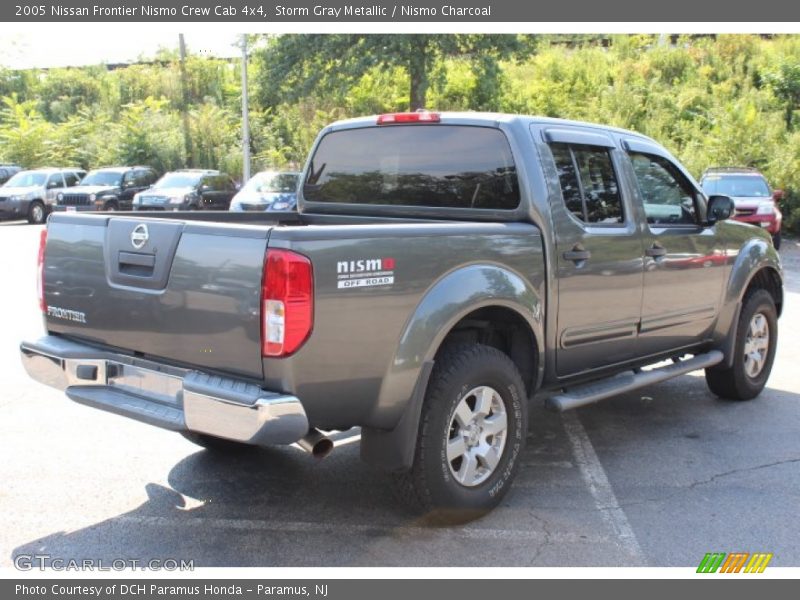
{"x": 656, "y": 251}
{"x": 577, "y": 254}
{"x": 137, "y": 260}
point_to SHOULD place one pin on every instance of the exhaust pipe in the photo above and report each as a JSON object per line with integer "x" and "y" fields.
{"x": 316, "y": 444}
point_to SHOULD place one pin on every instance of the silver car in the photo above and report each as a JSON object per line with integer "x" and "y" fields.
{"x": 31, "y": 194}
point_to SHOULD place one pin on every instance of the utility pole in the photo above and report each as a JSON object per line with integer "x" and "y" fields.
{"x": 187, "y": 136}
{"x": 245, "y": 116}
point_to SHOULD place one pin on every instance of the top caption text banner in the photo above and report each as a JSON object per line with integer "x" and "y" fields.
{"x": 460, "y": 11}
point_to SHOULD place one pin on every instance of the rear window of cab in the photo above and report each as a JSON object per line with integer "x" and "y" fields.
{"x": 438, "y": 166}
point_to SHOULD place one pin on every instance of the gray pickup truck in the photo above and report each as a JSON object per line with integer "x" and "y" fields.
{"x": 442, "y": 270}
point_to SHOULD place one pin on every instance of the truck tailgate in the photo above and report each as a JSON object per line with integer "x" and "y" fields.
{"x": 184, "y": 291}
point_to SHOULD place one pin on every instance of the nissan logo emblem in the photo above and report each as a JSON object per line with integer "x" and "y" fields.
{"x": 139, "y": 236}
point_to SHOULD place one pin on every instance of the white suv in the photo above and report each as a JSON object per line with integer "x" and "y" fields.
{"x": 31, "y": 194}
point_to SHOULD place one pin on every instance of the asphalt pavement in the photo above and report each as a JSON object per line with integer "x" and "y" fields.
{"x": 656, "y": 477}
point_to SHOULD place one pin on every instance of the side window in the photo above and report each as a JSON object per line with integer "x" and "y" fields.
{"x": 71, "y": 179}
{"x": 588, "y": 183}
{"x": 55, "y": 181}
{"x": 150, "y": 177}
{"x": 567, "y": 175}
{"x": 128, "y": 178}
{"x": 668, "y": 197}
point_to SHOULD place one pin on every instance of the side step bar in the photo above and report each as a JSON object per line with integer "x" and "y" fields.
{"x": 590, "y": 393}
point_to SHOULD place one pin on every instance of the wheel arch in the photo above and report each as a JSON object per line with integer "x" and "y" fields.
{"x": 766, "y": 278}
{"x": 502, "y": 327}
{"x": 480, "y": 303}
{"x": 757, "y": 266}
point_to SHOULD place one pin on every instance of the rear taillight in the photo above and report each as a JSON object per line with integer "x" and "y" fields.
{"x": 287, "y": 303}
{"x": 409, "y": 117}
{"x": 40, "y": 270}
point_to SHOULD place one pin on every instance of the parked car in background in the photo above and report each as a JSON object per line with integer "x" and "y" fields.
{"x": 268, "y": 190}
{"x": 755, "y": 201}
{"x": 72, "y": 178}
{"x": 109, "y": 188}
{"x": 188, "y": 189}
{"x": 7, "y": 171}
{"x": 26, "y": 194}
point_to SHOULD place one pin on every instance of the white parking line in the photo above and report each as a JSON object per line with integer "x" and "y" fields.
{"x": 406, "y": 531}
{"x": 557, "y": 464}
{"x": 596, "y": 480}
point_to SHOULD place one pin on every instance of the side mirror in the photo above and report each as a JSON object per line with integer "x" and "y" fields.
{"x": 719, "y": 208}
{"x": 777, "y": 195}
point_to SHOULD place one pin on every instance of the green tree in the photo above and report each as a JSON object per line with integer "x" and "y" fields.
{"x": 63, "y": 91}
{"x": 148, "y": 133}
{"x": 293, "y": 66}
{"x": 24, "y": 133}
{"x": 785, "y": 81}
{"x": 215, "y": 135}
{"x": 17, "y": 82}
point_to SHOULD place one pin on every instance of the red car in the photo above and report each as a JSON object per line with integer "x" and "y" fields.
{"x": 756, "y": 203}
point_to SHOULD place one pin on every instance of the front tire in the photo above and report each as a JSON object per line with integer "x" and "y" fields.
{"x": 754, "y": 351}
{"x": 776, "y": 240}
{"x": 36, "y": 213}
{"x": 472, "y": 432}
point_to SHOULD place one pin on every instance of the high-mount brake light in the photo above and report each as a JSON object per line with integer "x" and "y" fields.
{"x": 287, "y": 302}
{"x": 40, "y": 270}
{"x": 409, "y": 117}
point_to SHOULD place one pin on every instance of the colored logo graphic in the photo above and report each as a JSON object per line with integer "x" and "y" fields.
{"x": 736, "y": 562}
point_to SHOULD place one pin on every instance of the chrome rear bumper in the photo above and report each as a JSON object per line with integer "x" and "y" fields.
{"x": 165, "y": 396}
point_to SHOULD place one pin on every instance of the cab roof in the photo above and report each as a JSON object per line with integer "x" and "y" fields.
{"x": 486, "y": 119}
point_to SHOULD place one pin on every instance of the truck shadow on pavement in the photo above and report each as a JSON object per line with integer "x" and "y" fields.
{"x": 260, "y": 507}
{"x": 278, "y": 506}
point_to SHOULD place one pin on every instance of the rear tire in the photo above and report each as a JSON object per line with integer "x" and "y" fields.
{"x": 36, "y": 213}
{"x": 216, "y": 444}
{"x": 472, "y": 432}
{"x": 754, "y": 351}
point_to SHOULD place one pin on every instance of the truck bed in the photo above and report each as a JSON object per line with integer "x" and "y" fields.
{"x": 191, "y": 297}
